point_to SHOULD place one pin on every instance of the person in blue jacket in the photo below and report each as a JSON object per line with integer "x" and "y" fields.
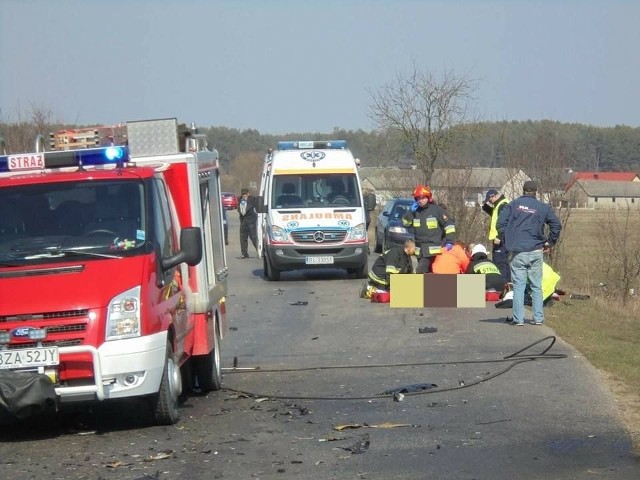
{"x": 523, "y": 225}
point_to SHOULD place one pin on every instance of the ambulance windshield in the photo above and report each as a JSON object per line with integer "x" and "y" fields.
{"x": 61, "y": 220}
{"x": 315, "y": 191}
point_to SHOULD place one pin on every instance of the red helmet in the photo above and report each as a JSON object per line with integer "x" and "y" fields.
{"x": 422, "y": 191}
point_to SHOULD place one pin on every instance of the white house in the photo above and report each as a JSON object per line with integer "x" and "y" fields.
{"x": 604, "y": 194}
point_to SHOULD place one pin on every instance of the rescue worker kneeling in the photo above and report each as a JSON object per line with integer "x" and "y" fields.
{"x": 480, "y": 264}
{"x": 395, "y": 260}
{"x": 550, "y": 292}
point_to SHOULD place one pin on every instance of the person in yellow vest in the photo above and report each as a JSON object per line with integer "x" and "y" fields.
{"x": 550, "y": 280}
{"x": 494, "y": 202}
{"x": 550, "y": 291}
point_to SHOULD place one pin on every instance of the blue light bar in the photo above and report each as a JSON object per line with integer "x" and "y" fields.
{"x": 26, "y": 162}
{"x": 313, "y": 145}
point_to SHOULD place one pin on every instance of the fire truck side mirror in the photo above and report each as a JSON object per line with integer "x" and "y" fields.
{"x": 190, "y": 249}
{"x": 260, "y": 206}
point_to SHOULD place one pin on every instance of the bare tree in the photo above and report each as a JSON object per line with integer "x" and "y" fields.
{"x": 620, "y": 249}
{"x": 421, "y": 110}
{"x": 246, "y": 168}
{"x": 20, "y": 134}
{"x": 546, "y": 158}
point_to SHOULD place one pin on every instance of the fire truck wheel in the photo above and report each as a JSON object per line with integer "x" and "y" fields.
{"x": 271, "y": 273}
{"x": 165, "y": 402}
{"x": 208, "y": 368}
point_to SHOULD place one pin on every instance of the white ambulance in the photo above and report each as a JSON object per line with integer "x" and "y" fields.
{"x": 312, "y": 212}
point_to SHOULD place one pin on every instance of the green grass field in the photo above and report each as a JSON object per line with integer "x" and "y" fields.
{"x": 605, "y": 328}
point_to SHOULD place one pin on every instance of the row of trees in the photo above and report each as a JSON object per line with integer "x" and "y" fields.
{"x": 437, "y": 142}
{"x": 422, "y": 119}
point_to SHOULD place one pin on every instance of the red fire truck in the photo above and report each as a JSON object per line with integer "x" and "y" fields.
{"x": 112, "y": 272}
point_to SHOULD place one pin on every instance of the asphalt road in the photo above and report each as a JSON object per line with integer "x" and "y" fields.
{"x": 307, "y": 400}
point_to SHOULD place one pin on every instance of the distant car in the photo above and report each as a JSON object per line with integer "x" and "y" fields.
{"x": 225, "y": 226}
{"x": 389, "y": 228}
{"x": 229, "y": 201}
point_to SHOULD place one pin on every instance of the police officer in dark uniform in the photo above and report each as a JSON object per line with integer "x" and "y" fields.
{"x": 493, "y": 204}
{"x": 432, "y": 227}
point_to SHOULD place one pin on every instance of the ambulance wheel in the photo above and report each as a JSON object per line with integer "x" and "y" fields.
{"x": 208, "y": 368}
{"x": 165, "y": 402}
{"x": 271, "y": 273}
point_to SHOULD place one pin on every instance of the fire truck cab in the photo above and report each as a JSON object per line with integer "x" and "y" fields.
{"x": 112, "y": 271}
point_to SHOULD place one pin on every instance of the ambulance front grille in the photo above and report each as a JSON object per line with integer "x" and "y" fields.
{"x": 327, "y": 235}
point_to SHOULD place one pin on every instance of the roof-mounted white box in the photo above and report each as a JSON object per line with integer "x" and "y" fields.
{"x": 152, "y": 137}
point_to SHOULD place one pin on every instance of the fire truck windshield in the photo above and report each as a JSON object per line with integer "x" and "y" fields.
{"x": 53, "y": 221}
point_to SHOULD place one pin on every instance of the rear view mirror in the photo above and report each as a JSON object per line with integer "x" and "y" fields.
{"x": 369, "y": 201}
{"x": 260, "y": 206}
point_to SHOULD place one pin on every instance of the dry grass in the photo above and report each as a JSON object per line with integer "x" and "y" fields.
{"x": 604, "y": 329}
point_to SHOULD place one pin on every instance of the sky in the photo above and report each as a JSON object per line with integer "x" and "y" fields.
{"x": 281, "y": 66}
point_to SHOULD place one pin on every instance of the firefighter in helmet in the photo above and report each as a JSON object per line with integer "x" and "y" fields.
{"x": 432, "y": 226}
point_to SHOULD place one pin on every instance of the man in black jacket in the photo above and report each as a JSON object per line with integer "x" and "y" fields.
{"x": 248, "y": 222}
{"x": 433, "y": 228}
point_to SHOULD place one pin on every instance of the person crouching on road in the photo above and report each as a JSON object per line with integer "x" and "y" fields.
{"x": 480, "y": 264}
{"x": 395, "y": 260}
{"x": 432, "y": 227}
{"x": 452, "y": 261}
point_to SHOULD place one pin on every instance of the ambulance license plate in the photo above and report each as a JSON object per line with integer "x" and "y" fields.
{"x": 29, "y": 357}
{"x": 328, "y": 260}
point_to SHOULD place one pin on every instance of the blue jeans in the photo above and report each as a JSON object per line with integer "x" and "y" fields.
{"x": 527, "y": 266}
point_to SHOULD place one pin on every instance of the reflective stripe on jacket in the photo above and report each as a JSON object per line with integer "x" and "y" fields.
{"x": 432, "y": 227}
{"x": 486, "y": 267}
{"x": 493, "y": 231}
{"x": 480, "y": 264}
{"x": 395, "y": 260}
